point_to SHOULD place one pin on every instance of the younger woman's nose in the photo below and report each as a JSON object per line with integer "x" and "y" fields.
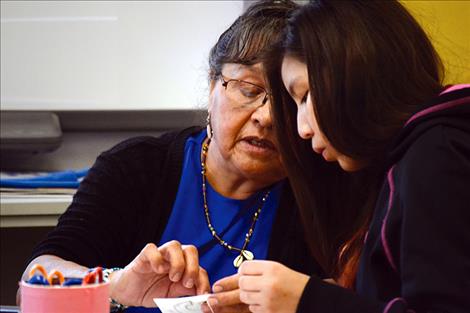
{"x": 303, "y": 128}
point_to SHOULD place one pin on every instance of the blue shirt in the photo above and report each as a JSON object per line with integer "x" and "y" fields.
{"x": 230, "y": 218}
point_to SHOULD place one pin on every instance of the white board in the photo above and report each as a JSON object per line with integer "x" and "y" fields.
{"x": 109, "y": 55}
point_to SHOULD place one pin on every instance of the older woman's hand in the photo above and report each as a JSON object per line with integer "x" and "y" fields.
{"x": 268, "y": 286}
{"x": 226, "y": 297}
{"x": 171, "y": 270}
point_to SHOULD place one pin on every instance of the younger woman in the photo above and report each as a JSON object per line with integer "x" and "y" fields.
{"x": 365, "y": 85}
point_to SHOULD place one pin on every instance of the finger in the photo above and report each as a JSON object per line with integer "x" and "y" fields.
{"x": 250, "y": 283}
{"x": 226, "y": 283}
{"x": 255, "y": 308}
{"x": 250, "y": 297}
{"x": 173, "y": 253}
{"x": 191, "y": 271}
{"x": 238, "y": 308}
{"x": 205, "y": 308}
{"x": 255, "y": 267}
{"x": 152, "y": 256}
{"x": 202, "y": 283}
{"x": 227, "y": 298}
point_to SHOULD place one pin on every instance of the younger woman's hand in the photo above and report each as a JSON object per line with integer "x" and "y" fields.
{"x": 225, "y": 297}
{"x": 268, "y": 286}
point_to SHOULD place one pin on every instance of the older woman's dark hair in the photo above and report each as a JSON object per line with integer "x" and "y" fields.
{"x": 251, "y": 36}
{"x": 370, "y": 65}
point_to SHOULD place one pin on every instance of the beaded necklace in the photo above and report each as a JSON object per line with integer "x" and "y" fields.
{"x": 244, "y": 253}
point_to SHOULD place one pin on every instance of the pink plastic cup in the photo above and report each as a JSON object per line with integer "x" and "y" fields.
{"x": 56, "y": 299}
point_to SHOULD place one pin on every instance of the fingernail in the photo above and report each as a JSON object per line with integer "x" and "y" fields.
{"x": 212, "y": 302}
{"x": 217, "y": 288}
{"x": 176, "y": 277}
{"x": 205, "y": 308}
{"x": 189, "y": 283}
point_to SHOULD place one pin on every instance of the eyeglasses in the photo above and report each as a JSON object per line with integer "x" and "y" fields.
{"x": 244, "y": 94}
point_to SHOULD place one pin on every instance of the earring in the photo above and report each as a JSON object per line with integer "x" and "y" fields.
{"x": 210, "y": 133}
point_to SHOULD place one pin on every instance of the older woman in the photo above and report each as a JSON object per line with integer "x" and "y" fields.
{"x": 166, "y": 216}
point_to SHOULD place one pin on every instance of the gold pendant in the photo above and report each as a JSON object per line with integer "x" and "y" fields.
{"x": 242, "y": 257}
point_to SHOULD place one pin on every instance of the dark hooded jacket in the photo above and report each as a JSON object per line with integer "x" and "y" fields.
{"x": 416, "y": 256}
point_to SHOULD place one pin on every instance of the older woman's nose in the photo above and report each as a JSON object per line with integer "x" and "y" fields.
{"x": 262, "y": 115}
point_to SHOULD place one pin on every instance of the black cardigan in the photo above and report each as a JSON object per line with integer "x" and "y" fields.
{"x": 125, "y": 202}
{"x": 416, "y": 256}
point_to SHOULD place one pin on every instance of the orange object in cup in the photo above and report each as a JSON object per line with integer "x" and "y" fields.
{"x": 55, "y": 276}
{"x": 37, "y": 267}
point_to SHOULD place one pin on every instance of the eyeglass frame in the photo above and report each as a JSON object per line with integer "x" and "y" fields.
{"x": 225, "y": 84}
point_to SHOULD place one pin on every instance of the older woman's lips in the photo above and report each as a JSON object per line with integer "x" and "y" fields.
{"x": 259, "y": 145}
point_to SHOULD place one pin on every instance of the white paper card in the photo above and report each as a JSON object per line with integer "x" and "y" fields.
{"x": 181, "y": 305}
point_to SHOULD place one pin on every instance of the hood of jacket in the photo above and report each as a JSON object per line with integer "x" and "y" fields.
{"x": 451, "y": 108}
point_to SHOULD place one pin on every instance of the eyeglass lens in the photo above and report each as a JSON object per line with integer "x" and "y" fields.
{"x": 245, "y": 93}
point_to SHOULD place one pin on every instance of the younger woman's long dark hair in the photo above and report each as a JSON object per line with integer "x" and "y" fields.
{"x": 370, "y": 66}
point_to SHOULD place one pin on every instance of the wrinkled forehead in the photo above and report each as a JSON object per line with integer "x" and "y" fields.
{"x": 239, "y": 71}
